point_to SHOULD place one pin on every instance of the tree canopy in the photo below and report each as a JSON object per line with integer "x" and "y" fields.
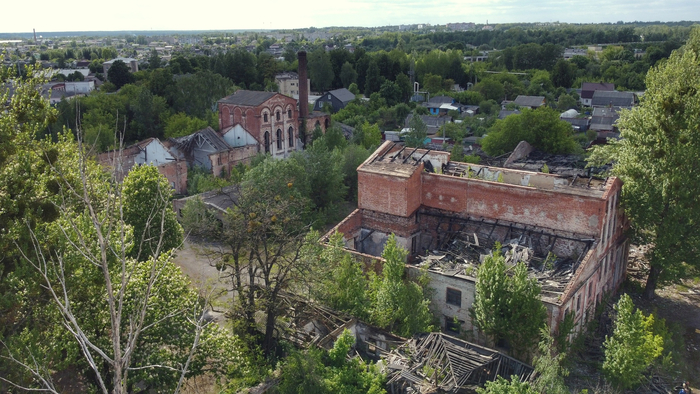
{"x": 507, "y": 305}
{"x": 632, "y": 347}
{"x": 656, "y": 158}
{"x": 541, "y": 127}
{"x": 119, "y": 74}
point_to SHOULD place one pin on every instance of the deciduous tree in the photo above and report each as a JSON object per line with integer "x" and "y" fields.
{"x": 542, "y": 128}
{"x": 418, "y": 131}
{"x": 632, "y": 347}
{"x": 119, "y": 74}
{"x": 507, "y": 305}
{"x": 155, "y": 227}
{"x": 656, "y": 158}
{"x": 397, "y": 304}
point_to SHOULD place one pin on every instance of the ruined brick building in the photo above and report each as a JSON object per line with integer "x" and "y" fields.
{"x": 250, "y": 122}
{"x": 568, "y": 229}
{"x": 149, "y": 151}
{"x": 274, "y": 120}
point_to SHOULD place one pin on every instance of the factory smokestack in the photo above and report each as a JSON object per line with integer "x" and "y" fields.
{"x": 303, "y": 96}
{"x": 34, "y": 30}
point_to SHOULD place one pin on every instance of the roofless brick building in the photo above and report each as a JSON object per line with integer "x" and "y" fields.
{"x": 448, "y": 215}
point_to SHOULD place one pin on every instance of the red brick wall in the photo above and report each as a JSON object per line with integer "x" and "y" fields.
{"x": 251, "y": 118}
{"x": 390, "y": 194}
{"x": 176, "y": 173}
{"x": 544, "y": 208}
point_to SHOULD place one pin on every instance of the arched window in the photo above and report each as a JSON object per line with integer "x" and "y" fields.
{"x": 289, "y": 113}
{"x": 290, "y": 136}
{"x": 267, "y": 142}
{"x": 265, "y": 117}
{"x": 327, "y": 123}
{"x": 279, "y": 139}
{"x": 277, "y": 114}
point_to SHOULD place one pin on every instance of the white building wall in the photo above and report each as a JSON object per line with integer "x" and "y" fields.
{"x": 237, "y": 136}
{"x": 155, "y": 153}
{"x": 83, "y": 87}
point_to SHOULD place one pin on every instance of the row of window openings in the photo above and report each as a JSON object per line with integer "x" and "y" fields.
{"x": 290, "y": 138}
{"x": 278, "y": 115}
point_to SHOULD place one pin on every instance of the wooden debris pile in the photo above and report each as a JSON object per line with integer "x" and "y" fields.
{"x": 437, "y": 362}
{"x": 465, "y": 252}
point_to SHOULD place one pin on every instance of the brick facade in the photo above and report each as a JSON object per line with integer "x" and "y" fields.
{"x": 572, "y": 216}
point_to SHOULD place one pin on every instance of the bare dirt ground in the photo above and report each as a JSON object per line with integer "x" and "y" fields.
{"x": 195, "y": 261}
{"x": 679, "y": 305}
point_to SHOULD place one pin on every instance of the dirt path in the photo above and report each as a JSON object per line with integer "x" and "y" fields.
{"x": 678, "y": 304}
{"x": 193, "y": 261}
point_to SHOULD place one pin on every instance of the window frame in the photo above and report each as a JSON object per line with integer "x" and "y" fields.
{"x": 453, "y": 297}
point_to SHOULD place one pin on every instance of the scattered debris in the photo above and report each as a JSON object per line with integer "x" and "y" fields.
{"x": 438, "y": 362}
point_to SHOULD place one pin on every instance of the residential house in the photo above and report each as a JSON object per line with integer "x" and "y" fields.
{"x": 502, "y": 114}
{"x": 572, "y": 117}
{"x": 132, "y": 64}
{"x": 603, "y": 98}
{"x": 337, "y": 99}
{"x": 530, "y": 101}
{"x": 603, "y": 121}
{"x": 432, "y": 122}
{"x": 588, "y": 88}
{"x": 441, "y": 105}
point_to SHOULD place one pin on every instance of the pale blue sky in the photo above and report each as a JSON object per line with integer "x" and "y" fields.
{"x": 275, "y": 14}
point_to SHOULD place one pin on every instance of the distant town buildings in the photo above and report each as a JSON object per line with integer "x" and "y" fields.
{"x": 288, "y": 83}
{"x": 131, "y": 63}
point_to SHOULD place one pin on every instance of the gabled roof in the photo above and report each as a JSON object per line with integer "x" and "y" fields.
{"x": 343, "y": 95}
{"x": 587, "y": 88}
{"x": 603, "y": 98}
{"x": 248, "y": 98}
{"x": 580, "y": 122}
{"x": 208, "y": 134}
{"x": 441, "y": 100}
{"x": 529, "y": 101}
{"x": 504, "y": 112}
{"x": 604, "y": 118}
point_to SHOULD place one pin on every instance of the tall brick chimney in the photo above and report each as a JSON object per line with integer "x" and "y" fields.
{"x": 303, "y": 96}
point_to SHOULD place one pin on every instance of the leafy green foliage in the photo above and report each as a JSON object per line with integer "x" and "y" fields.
{"x": 401, "y": 306}
{"x": 318, "y": 371}
{"x": 196, "y": 218}
{"x": 633, "y": 346}
{"x": 320, "y": 70}
{"x": 180, "y": 124}
{"x": 550, "y": 373}
{"x": 415, "y": 138}
{"x": 343, "y": 285}
{"x": 457, "y": 153}
{"x": 119, "y": 74}
{"x": 155, "y": 227}
{"x": 655, "y": 158}
{"x": 502, "y": 386}
{"x": 348, "y": 75}
{"x": 371, "y": 135}
{"x": 507, "y": 306}
{"x": 200, "y": 180}
{"x": 542, "y": 128}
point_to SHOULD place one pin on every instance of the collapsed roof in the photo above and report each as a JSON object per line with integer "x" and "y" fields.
{"x": 550, "y": 258}
{"x": 436, "y": 361}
